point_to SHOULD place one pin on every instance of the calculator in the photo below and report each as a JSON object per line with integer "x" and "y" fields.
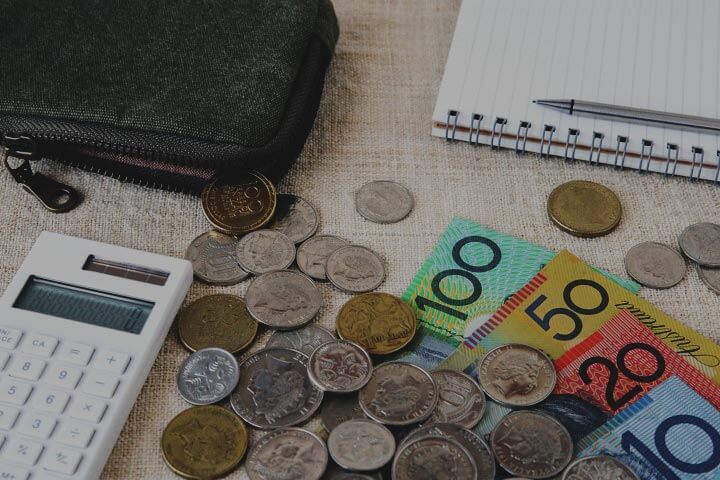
{"x": 80, "y": 326}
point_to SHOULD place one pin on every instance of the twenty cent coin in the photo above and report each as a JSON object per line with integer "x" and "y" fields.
{"x": 701, "y": 243}
{"x": 265, "y": 251}
{"x": 287, "y": 454}
{"x": 355, "y": 269}
{"x": 584, "y": 209}
{"x": 214, "y": 260}
{"x": 283, "y": 299}
{"x": 437, "y": 458}
{"x": 710, "y": 277}
{"x": 305, "y": 339}
{"x": 339, "y": 408}
{"x": 383, "y": 201}
{"x": 220, "y": 321}
{"x": 596, "y": 467}
{"x": 312, "y": 255}
{"x": 340, "y": 366}
{"x": 207, "y": 376}
{"x": 655, "y": 265}
{"x": 295, "y": 217}
{"x": 361, "y": 445}
{"x": 460, "y": 399}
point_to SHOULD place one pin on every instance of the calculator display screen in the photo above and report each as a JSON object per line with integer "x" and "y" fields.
{"x": 84, "y": 305}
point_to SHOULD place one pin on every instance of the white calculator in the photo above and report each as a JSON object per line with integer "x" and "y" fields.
{"x": 80, "y": 326}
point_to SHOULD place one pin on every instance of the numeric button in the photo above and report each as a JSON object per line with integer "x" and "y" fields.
{"x": 75, "y": 353}
{"x": 35, "y": 425}
{"x": 63, "y": 376}
{"x": 25, "y": 367}
{"x": 115, "y": 362}
{"x": 9, "y": 337}
{"x": 41, "y": 345}
{"x": 14, "y": 392}
{"x": 51, "y": 401}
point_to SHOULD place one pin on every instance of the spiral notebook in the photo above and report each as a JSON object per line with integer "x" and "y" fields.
{"x": 655, "y": 54}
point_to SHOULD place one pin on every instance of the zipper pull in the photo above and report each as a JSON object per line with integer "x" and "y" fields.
{"x": 55, "y": 196}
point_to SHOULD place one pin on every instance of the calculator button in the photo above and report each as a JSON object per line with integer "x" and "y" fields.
{"x": 3, "y": 360}
{"x": 87, "y": 408}
{"x": 14, "y": 392}
{"x": 47, "y": 400}
{"x": 35, "y": 425}
{"x": 61, "y": 460}
{"x": 111, "y": 361}
{"x": 22, "y": 451}
{"x": 12, "y": 473}
{"x": 27, "y": 368}
{"x": 75, "y": 434}
{"x": 9, "y": 337}
{"x": 99, "y": 384}
{"x": 75, "y": 353}
{"x": 63, "y": 376}
{"x": 8, "y": 415}
{"x": 42, "y": 345}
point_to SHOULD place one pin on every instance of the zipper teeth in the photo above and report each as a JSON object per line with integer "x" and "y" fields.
{"x": 111, "y": 147}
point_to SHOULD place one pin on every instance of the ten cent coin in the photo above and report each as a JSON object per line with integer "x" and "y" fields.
{"x": 214, "y": 260}
{"x": 305, "y": 339}
{"x": 312, "y": 255}
{"x": 383, "y": 201}
{"x": 207, "y": 376}
{"x": 283, "y": 299}
{"x": 655, "y": 265}
{"x": 287, "y": 454}
{"x": 438, "y": 458}
{"x": 265, "y": 251}
{"x": 295, "y": 217}
{"x": 340, "y": 366}
{"x": 701, "y": 243}
{"x": 355, "y": 269}
{"x": 361, "y": 445}
{"x": 597, "y": 467}
{"x": 584, "y": 209}
{"x": 460, "y": 399}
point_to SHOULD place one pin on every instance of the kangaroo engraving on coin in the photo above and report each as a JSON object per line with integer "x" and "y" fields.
{"x": 383, "y": 201}
{"x": 264, "y": 251}
{"x": 434, "y": 458}
{"x": 361, "y": 445}
{"x": 339, "y": 408}
{"x": 214, "y": 259}
{"x": 305, "y": 339}
{"x": 207, "y": 376}
{"x": 295, "y": 217}
{"x": 460, "y": 399}
{"x": 355, "y": 269}
{"x": 655, "y": 265}
{"x": 597, "y": 467}
{"x": 701, "y": 243}
{"x": 287, "y": 454}
{"x": 312, "y": 255}
{"x": 340, "y": 366}
{"x": 283, "y": 299}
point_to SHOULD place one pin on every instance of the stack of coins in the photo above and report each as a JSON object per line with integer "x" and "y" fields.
{"x": 701, "y": 244}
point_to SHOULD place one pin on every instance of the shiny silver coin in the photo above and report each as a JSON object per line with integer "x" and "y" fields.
{"x": 265, "y": 251}
{"x": 460, "y": 399}
{"x": 274, "y": 389}
{"x": 305, "y": 339}
{"x": 340, "y": 366}
{"x": 207, "y": 376}
{"x": 701, "y": 243}
{"x": 295, "y": 217}
{"x": 399, "y": 394}
{"x": 283, "y": 299}
{"x": 597, "y": 467}
{"x": 531, "y": 444}
{"x": 361, "y": 445}
{"x": 355, "y": 269}
{"x": 339, "y": 408}
{"x": 516, "y": 375}
{"x": 287, "y": 454}
{"x": 436, "y": 458}
{"x": 214, "y": 259}
{"x": 312, "y": 255}
{"x": 383, "y": 201}
{"x": 710, "y": 277}
{"x": 655, "y": 265}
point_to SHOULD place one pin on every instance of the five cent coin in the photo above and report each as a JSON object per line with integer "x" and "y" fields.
{"x": 283, "y": 299}
{"x": 596, "y": 467}
{"x": 214, "y": 260}
{"x": 361, "y": 445}
{"x": 655, "y": 265}
{"x": 438, "y": 458}
{"x": 312, "y": 255}
{"x": 265, "y": 251}
{"x": 460, "y": 399}
{"x": 701, "y": 243}
{"x": 383, "y": 201}
{"x": 340, "y": 366}
{"x": 287, "y": 454}
{"x": 584, "y": 209}
{"x": 305, "y": 339}
{"x": 207, "y": 376}
{"x": 295, "y": 217}
{"x": 355, "y": 269}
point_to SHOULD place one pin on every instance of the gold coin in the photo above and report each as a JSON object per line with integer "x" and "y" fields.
{"x": 204, "y": 442}
{"x": 220, "y": 321}
{"x": 239, "y": 203}
{"x": 379, "y": 322}
{"x": 584, "y": 209}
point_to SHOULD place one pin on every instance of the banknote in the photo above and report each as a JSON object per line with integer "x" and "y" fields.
{"x": 670, "y": 433}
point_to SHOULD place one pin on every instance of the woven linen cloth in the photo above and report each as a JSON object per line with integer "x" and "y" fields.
{"x": 374, "y": 123}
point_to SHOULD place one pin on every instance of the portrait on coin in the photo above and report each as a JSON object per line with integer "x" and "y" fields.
{"x": 517, "y": 374}
{"x": 288, "y": 459}
{"x": 353, "y": 267}
{"x": 435, "y": 464}
{"x": 529, "y": 447}
{"x": 278, "y": 389}
{"x": 394, "y": 396}
{"x": 283, "y": 298}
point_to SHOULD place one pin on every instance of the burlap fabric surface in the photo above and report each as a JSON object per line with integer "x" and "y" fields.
{"x": 374, "y": 123}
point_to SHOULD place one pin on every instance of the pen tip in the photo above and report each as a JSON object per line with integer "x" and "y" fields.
{"x": 534, "y": 101}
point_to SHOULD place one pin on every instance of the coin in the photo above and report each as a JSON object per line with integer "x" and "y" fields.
{"x": 220, "y": 321}
{"x": 701, "y": 243}
{"x": 239, "y": 203}
{"x": 379, "y": 322}
{"x": 214, "y": 260}
{"x": 460, "y": 399}
{"x": 355, "y": 269}
{"x": 312, "y": 255}
{"x": 584, "y": 209}
{"x": 655, "y": 265}
{"x": 283, "y": 299}
{"x": 361, "y": 445}
{"x": 340, "y": 366}
{"x": 531, "y": 444}
{"x": 274, "y": 389}
{"x": 336, "y": 473}
{"x": 207, "y": 376}
{"x": 305, "y": 339}
{"x": 399, "y": 394}
{"x": 295, "y": 217}
{"x": 265, "y": 251}
{"x": 383, "y": 201}
{"x": 337, "y": 408}
{"x": 516, "y": 375}
{"x": 599, "y": 466}
{"x": 437, "y": 458}
{"x": 287, "y": 454}
{"x": 710, "y": 277}
{"x": 204, "y": 442}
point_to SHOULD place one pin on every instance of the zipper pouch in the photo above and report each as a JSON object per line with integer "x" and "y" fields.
{"x": 163, "y": 93}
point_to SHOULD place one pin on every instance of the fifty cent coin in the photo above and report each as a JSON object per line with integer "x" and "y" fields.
{"x": 312, "y": 255}
{"x": 340, "y": 366}
{"x": 584, "y": 209}
{"x": 305, "y": 339}
{"x": 361, "y": 445}
{"x": 207, "y": 376}
{"x": 295, "y": 217}
{"x": 460, "y": 399}
{"x": 214, "y": 259}
{"x": 383, "y": 201}
{"x": 701, "y": 243}
{"x": 597, "y": 467}
{"x": 287, "y": 454}
{"x": 437, "y": 458}
{"x": 655, "y": 265}
{"x": 355, "y": 269}
{"x": 220, "y": 321}
{"x": 284, "y": 299}
{"x": 265, "y": 251}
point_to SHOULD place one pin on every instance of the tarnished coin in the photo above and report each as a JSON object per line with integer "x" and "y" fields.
{"x": 287, "y": 454}
{"x": 239, "y": 203}
{"x": 336, "y": 473}
{"x": 265, "y": 251}
{"x": 295, "y": 217}
{"x": 584, "y": 209}
{"x": 207, "y": 376}
{"x": 531, "y": 444}
{"x": 214, "y": 259}
{"x": 339, "y": 408}
{"x": 355, "y": 269}
{"x": 283, "y": 299}
{"x": 220, "y": 321}
{"x": 516, "y": 375}
{"x": 434, "y": 458}
{"x": 305, "y": 339}
{"x": 383, "y": 201}
{"x": 710, "y": 277}
{"x": 379, "y": 322}
{"x": 312, "y": 255}
{"x": 460, "y": 399}
{"x": 204, "y": 442}
{"x": 399, "y": 394}
{"x": 701, "y": 243}
{"x": 655, "y": 265}
{"x": 361, "y": 445}
{"x": 340, "y": 366}
{"x": 274, "y": 389}
{"x": 597, "y": 467}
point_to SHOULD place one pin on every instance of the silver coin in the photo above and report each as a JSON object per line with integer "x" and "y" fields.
{"x": 207, "y": 376}
{"x": 338, "y": 408}
{"x": 361, "y": 445}
{"x": 305, "y": 339}
{"x": 531, "y": 444}
{"x": 598, "y": 467}
{"x": 287, "y": 454}
{"x": 383, "y": 201}
{"x": 655, "y": 265}
{"x": 334, "y": 472}
{"x": 274, "y": 389}
{"x": 283, "y": 299}
{"x": 701, "y": 243}
{"x": 399, "y": 393}
{"x": 340, "y": 366}
{"x": 264, "y": 251}
{"x": 355, "y": 269}
{"x": 516, "y": 375}
{"x": 710, "y": 277}
{"x": 214, "y": 259}
{"x": 295, "y": 217}
{"x": 460, "y": 399}
{"x": 434, "y": 458}
{"x": 312, "y": 255}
